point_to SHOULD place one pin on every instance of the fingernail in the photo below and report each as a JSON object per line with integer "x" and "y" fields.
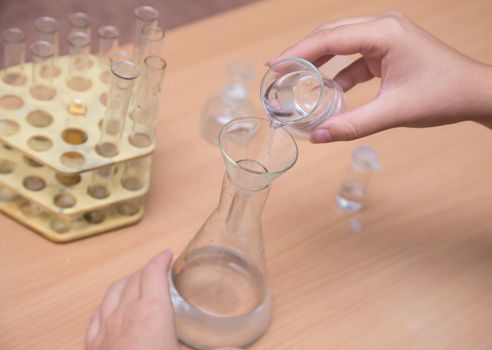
{"x": 320, "y": 136}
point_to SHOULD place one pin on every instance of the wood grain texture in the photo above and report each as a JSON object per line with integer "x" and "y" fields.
{"x": 417, "y": 277}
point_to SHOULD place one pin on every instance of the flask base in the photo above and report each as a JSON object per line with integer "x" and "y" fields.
{"x": 220, "y": 298}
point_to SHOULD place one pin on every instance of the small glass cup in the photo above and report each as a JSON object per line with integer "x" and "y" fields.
{"x": 296, "y": 95}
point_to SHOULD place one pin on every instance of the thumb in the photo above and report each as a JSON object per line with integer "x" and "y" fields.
{"x": 378, "y": 115}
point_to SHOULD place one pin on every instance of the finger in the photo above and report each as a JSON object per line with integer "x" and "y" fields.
{"x": 112, "y": 298}
{"x": 357, "y": 72}
{"x": 379, "y": 114}
{"x": 346, "y": 21}
{"x": 341, "y": 40}
{"x": 94, "y": 327}
{"x": 322, "y": 60}
{"x": 332, "y": 24}
{"x": 131, "y": 292}
{"x": 153, "y": 280}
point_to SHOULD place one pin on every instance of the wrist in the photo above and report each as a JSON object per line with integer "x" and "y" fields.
{"x": 480, "y": 105}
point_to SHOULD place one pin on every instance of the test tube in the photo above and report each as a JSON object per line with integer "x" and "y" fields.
{"x": 135, "y": 175}
{"x": 47, "y": 29}
{"x": 114, "y": 56}
{"x": 108, "y": 43}
{"x": 146, "y": 102}
{"x": 144, "y": 16}
{"x": 151, "y": 43}
{"x": 100, "y": 185}
{"x": 80, "y": 22}
{"x": 42, "y": 87}
{"x": 363, "y": 163}
{"x": 14, "y": 47}
{"x": 78, "y": 49}
{"x": 123, "y": 78}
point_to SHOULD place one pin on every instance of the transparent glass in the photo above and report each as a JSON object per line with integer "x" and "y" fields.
{"x": 364, "y": 161}
{"x": 144, "y": 16}
{"x": 135, "y": 173}
{"x": 123, "y": 78}
{"x": 232, "y": 103}
{"x": 47, "y": 29}
{"x": 101, "y": 182}
{"x": 43, "y": 72}
{"x": 79, "y": 63}
{"x": 14, "y": 54}
{"x": 218, "y": 285}
{"x": 146, "y": 101}
{"x": 150, "y": 44}
{"x": 297, "y": 96}
{"x": 114, "y": 56}
{"x": 108, "y": 43}
{"x": 80, "y": 22}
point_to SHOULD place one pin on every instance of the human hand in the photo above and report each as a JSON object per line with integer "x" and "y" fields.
{"x": 136, "y": 312}
{"x": 424, "y": 82}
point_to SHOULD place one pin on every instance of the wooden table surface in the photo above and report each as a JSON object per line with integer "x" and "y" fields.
{"x": 418, "y": 276}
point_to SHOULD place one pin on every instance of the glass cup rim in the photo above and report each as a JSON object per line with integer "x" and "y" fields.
{"x": 269, "y": 173}
{"x": 311, "y": 67}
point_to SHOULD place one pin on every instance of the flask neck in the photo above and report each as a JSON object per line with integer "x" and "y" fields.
{"x": 235, "y": 93}
{"x": 241, "y": 208}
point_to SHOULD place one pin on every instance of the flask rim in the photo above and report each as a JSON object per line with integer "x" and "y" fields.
{"x": 235, "y": 163}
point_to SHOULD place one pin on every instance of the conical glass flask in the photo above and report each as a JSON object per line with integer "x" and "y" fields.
{"x": 218, "y": 284}
{"x": 232, "y": 102}
{"x": 297, "y": 96}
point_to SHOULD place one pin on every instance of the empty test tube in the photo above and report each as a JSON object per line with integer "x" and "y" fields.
{"x": 146, "y": 101}
{"x": 14, "y": 51}
{"x": 122, "y": 80}
{"x": 114, "y": 56}
{"x": 78, "y": 49}
{"x": 42, "y": 86}
{"x": 135, "y": 174}
{"x": 151, "y": 43}
{"x": 364, "y": 161}
{"x": 80, "y": 22}
{"x": 144, "y": 16}
{"x": 100, "y": 185}
{"x": 47, "y": 29}
{"x": 108, "y": 43}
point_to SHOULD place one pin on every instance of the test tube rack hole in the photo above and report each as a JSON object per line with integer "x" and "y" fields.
{"x": 48, "y": 154}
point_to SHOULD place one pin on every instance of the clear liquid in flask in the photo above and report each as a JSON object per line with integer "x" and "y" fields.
{"x": 220, "y": 297}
